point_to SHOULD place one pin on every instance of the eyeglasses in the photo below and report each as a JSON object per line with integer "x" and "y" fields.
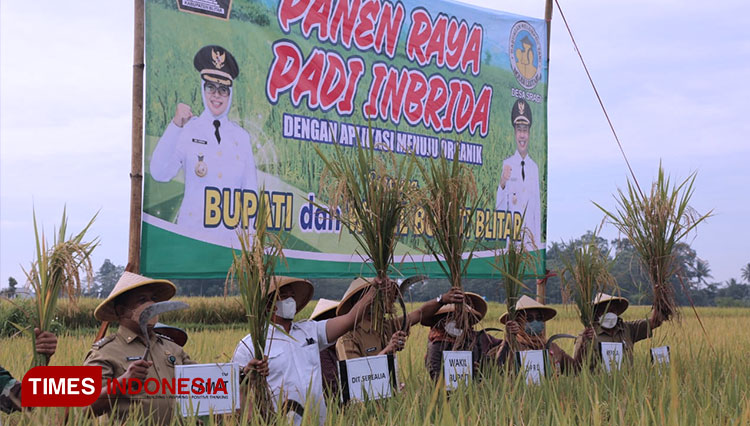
{"x": 212, "y": 88}
{"x": 533, "y": 317}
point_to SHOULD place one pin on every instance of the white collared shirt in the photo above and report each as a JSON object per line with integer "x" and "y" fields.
{"x": 521, "y": 193}
{"x": 206, "y": 163}
{"x": 293, "y": 363}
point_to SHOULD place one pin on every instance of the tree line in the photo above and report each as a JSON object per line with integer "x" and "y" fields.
{"x": 694, "y": 282}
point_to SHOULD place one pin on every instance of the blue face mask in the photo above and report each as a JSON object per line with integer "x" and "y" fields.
{"x": 534, "y": 328}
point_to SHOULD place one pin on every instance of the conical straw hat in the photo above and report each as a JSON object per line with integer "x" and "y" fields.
{"x": 302, "y": 289}
{"x": 163, "y": 289}
{"x": 617, "y": 305}
{"x": 324, "y": 309}
{"x": 526, "y": 303}
{"x": 352, "y": 295}
{"x": 474, "y": 303}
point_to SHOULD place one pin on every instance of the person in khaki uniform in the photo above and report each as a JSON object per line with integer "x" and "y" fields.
{"x": 609, "y": 327}
{"x": 364, "y": 340}
{"x": 444, "y": 332}
{"x": 529, "y": 330}
{"x": 121, "y": 355}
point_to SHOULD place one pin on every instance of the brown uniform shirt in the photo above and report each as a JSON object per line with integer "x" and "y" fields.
{"x": 364, "y": 341}
{"x": 115, "y": 352}
{"x": 625, "y": 332}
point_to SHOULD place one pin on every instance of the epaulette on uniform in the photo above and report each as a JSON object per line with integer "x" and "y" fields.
{"x": 101, "y": 342}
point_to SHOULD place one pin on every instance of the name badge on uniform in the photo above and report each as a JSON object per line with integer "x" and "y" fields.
{"x": 201, "y": 168}
{"x": 200, "y": 141}
{"x": 372, "y": 349}
{"x": 133, "y": 358}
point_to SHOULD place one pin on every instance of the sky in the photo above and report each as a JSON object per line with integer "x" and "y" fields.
{"x": 672, "y": 74}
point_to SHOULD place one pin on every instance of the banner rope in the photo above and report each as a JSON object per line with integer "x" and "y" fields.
{"x": 596, "y": 92}
{"x": 617, "y": 139}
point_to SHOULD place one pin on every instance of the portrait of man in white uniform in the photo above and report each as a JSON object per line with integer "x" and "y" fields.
{"x": 518, "y": 191}
{"x": 213, "y": 151}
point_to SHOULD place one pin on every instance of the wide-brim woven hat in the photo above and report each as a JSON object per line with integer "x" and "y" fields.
{"x": 177, "y": 334}
{"x": 302, "y": 289}
{"x": 617, "y": 304}
{"x": 353, "y": 293}
{"x": 526, "y": 303}
{"x": 163, "y": 290}
{"x": 324, "y": 309}
{"x": 473, "y": 303}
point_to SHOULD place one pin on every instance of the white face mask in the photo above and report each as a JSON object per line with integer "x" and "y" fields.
{"x": 608, "y": 321}
{"x": 451, "y": 329}
{"x": 286, "y": 308}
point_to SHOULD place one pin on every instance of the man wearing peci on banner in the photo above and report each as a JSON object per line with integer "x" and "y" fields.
{"x": 518, "y": 190}
{"x": 212, "y": 150}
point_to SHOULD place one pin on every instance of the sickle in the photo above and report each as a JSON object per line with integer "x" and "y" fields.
{"x": 405, "y": 284}
{"x": 152, "y": 311}
{"x": 558, "y": 336}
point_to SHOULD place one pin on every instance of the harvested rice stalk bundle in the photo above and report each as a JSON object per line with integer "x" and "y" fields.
{"x": 585, "y": 274}
{"x": 655, "y": 223}
{"x": 449, "y": 202}
{"x": 370, "y": 191}
{"x": 252, "y": 272}
{"x": 55, "y": 271}
{"x": 512, "y": 264}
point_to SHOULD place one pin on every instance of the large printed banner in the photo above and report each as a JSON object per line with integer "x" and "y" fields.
{"x": 239, "y": 93}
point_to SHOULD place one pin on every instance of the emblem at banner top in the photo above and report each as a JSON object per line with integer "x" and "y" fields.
{"x": 213, "y": 8}
{"x": 525, "y": 53}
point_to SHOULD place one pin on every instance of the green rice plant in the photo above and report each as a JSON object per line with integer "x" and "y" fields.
{"x": 655, "y": 223}
{"x": 512, "y": 265}
{"x": 370, "y": 192}
{"x": 585, "y": 274}
{"x": 252, "y": 271}
{"x": 56, "y": 271}
{"x": 700, "y": 386}
{"x": 449, "y": 201}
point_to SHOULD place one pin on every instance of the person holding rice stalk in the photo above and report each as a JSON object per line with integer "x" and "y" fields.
{"x": 292, "y": 361}
{"x": 364, "y": 340}
{"x": 518, "y": 190}
{"x": 212, "y": 150}
{"x": 530, "y": 333}
{"x": 121, "y": 354}
{"x": 609, "y": 327}
{"x": 444, "y": 332}
{"x": 10, "y": 388}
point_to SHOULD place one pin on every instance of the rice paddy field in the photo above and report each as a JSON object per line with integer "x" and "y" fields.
{"x": 707, "y": 382}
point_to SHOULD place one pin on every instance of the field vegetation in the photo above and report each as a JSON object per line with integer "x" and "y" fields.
{"x": 707, "y": 382}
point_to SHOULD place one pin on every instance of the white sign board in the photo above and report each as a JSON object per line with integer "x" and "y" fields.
{"x": 457, "y": 367}
{"x": 532, "y": 365}
{"x": 367, "y": 378}
{"x": 660, "y": 355}
{"x": 611, "y": 355}
{"x": 213, "y": 388}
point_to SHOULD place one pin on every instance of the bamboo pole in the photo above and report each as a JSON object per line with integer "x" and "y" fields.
{"x": 548, "y": 19}
{"x": 541, "y": 286}
{"x": 136, "y": 157}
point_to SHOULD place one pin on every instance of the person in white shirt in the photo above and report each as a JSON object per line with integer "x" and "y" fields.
{"x": 213, "y": 151}
{"x": 292, "y": 367}
{"x": 518, "y": 191}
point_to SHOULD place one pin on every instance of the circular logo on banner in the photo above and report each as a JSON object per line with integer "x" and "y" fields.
{"x": 525, "y": 54}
